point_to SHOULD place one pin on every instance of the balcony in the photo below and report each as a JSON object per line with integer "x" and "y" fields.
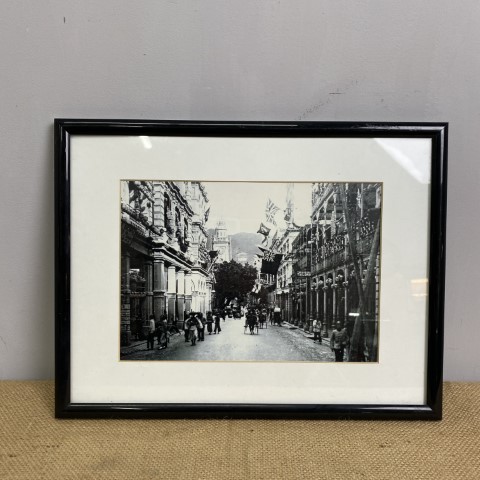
{"x": 140, "y": 221}
{"x": 321, "y": 195}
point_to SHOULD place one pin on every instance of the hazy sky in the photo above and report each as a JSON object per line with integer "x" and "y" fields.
{"x": 242, "y": 204}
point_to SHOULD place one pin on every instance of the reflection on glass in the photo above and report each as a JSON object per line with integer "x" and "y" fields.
{"x": 419, "y": 287}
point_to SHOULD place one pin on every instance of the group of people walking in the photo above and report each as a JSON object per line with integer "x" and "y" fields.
{"x": 161, "y": 330}
{"x": 254, "y": 317}
{"x": 195, "y": 326}
{"x": 196, "y": 323}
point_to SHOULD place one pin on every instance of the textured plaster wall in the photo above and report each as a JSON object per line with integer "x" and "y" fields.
{"x": 231, "y": 60}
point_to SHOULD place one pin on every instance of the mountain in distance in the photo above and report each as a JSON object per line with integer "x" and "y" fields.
{"x": 247, "y": 243}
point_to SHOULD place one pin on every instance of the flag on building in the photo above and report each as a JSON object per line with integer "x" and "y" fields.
{"x": 207, "y": 213}
{"x": 268, "y": 256}
{"x": 270, "y": 210}
{"x": 263, "y": 230}
{"x": 271, "y": 262}
{"x": 265, "y": 251}
{"x": 288, "y": 212}
{"x": 274, "y": 238}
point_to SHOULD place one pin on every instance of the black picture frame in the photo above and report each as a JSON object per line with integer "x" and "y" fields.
{"x": 66, "y": 128}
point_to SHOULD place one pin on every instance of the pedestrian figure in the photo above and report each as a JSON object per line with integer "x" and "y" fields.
{"x": 251, "y": 321}
{"x": 201, "y": 327}
{"x": 185, "y": 326}
{"x": 317, "y": 331}
{"x": 263, "y": 318}
{"x": 338, "y": 341}
{"x": 209, "y": 322}
{"x": 277, "y": 316}
{"x": 151, "y": 333}
{"x": 216, "y": 319}
{"x": 158, "y": 331}
{"x": 193, "y": 324}
{"x": 162, "y": 334}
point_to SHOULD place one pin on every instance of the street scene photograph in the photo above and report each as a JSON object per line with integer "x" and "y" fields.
{"x": 250, "y": 271}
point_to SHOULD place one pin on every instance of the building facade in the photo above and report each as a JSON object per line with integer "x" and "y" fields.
{"x": 301, "y": 278}
{"x": 284, "y": 277}
{"x": 164, "y": 260}
{"x": 341, "y": 212}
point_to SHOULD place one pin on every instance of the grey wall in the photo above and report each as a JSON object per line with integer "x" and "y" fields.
{"x": 232, "y": 60}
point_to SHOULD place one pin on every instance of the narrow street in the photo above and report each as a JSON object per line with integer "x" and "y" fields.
{"x": 273, "y": 343}
{"x": 191, "y": 247}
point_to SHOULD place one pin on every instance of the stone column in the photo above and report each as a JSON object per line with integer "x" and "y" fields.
{"x": 181, "y": 296}
{"x": 159, "y": 305}
{"x": 300, "y": 303}
{"x": 209, "y": 296}
{"x": 171, "y": 293}
{"x": 125, "y": 333}
{"x": 188, "y": 291}
{"x": 306, "y": 325}
{"x": 126, "y": 271}
{"x": 148, "y": 266}
{"x": 289, "y": 306}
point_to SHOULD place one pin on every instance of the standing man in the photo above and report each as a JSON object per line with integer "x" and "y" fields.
{"x": 317, "y": 331}
{"x": 185, "y": 326}
{"x": 151, "y": 333}
{"x": 162, "y": 332}
{"x": 217, "y": 328}
{"x": 201, "y": 327}
{"x": 193, "y": 325}
{"x": 209, "y": 322}
{"x": 251, "y": 320}
{"x": 338, "y": 341}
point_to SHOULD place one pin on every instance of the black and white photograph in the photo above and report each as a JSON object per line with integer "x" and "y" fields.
{"x": 250, "y": 268}
{"x": 250, "y": 271}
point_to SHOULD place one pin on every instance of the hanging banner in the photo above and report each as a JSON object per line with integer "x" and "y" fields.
{"x": 271, "y": 262}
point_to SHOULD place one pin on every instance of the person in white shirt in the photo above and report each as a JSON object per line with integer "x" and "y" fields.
{"x": 193, "y": 325}
{"x": 317, "y": 331}
{"x": 151, "y": 333}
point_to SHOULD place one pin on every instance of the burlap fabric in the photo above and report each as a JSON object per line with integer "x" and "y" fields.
{"x": 33, "y": 445}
